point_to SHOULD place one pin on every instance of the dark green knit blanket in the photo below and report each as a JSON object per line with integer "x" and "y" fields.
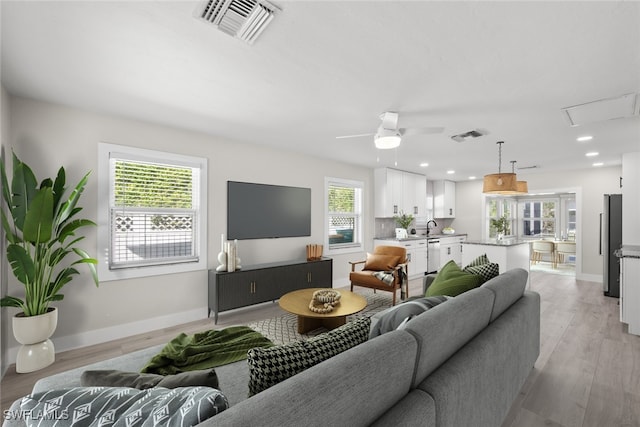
{"x": 205, "y": 350}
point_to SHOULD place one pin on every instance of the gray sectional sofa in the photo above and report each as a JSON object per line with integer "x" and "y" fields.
{"x": 461, "y": 363}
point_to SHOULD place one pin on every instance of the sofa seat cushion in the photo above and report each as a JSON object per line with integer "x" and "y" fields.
{"x": 117, "y": 378}
{"x": 121, "y": 406}
{"x": 452, "y": 281}
{"x": 271, "y": 365}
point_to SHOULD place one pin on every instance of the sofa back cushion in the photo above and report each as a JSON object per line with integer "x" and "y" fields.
{"x": 507, "y": 288}
{"x": 442, "y": 330}
{"x": 348, "y": 389}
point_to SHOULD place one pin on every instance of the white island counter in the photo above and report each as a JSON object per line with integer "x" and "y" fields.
{"x": 507, "y": 254}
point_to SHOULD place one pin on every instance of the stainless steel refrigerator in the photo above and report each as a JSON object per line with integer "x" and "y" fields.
{"x": 610, "y": 241}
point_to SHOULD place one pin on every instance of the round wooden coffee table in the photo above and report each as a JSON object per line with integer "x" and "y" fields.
{"x": 297, "y": 302}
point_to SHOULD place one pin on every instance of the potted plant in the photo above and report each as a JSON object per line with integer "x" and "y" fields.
{"x": 40, "y": 227}
{"x": 403, "y": 220}
{"x": 501, "y": 225}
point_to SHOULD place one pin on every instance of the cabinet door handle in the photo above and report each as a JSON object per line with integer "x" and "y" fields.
{"x": 450, "y": 211}
{"x": 395, "y": 209}
{"x": 448, "y": 251}
{"x": 309, "y": 277}
{"x": 415, "y": 210}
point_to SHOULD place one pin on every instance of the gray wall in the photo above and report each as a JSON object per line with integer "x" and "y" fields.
{"x": 590, "y": 183}
{"x": 47, "y": 136}
{"x": 5, "y": 320}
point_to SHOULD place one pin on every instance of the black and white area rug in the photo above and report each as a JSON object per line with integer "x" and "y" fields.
{"x": 284, "y": 328}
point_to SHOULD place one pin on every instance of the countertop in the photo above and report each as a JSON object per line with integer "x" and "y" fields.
{"x": 420, "y": 237}
{"x": 506, "y": 242}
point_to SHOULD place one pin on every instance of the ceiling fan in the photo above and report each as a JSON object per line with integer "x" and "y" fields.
{"x": 388, "y": 135}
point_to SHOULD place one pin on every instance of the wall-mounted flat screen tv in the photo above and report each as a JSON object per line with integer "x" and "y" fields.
{"x": 261, "y": 211}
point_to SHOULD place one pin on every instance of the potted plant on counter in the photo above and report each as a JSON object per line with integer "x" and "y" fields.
{"x": 403, "y": 220}
{"x": 501, "y": 225}
{"x": 40, "y": 229}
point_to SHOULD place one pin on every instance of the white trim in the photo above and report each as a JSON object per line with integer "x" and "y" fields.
{"x": 100, "y": 336}
{"x": 106, "y": 274}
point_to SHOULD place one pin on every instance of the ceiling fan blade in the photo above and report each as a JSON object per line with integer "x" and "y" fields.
{"x": 389, "y": 120}
{"x": 355, "y": 136}
{"x": 421, "y": 131}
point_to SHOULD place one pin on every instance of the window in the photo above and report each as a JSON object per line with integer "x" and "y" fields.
{"x": 498, "y": 207}
{"x": 538, "y": 218}
{"x": 153, "y": 210}
{"x": 343, "y": 219}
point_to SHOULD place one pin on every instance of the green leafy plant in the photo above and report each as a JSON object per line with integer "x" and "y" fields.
{"x": 40, "y": 230}
{"x": 501, "y": 225}
{"x": 403, "y": 220}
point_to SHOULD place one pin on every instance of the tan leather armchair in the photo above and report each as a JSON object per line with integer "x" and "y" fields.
{"x": 391, "y": 259}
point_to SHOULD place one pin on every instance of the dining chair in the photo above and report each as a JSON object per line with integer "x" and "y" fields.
{"x": 542, "y": 247}
{"x": 564, "y": 249}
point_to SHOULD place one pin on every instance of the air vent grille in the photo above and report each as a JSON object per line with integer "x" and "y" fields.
{"x": 475, "y": 133}
{"x": 243, "y": 19}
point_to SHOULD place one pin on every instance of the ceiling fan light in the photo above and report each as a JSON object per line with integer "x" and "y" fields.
{"x": 499, "y": 183}
{"x": 386, "y": 139}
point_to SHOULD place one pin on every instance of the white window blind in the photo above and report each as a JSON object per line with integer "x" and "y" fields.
{"x": 344, "y": 214}
{"x": 153, "y": 213}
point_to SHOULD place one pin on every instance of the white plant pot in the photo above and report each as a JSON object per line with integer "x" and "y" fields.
{"x": 33, "y": 333}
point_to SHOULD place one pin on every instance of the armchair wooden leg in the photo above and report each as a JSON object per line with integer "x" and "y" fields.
{"x": 393, "y": 302}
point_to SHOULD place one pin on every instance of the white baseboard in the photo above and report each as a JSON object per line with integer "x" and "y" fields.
{"x": 589, "y": 277}
{"x": 100, "y": 336}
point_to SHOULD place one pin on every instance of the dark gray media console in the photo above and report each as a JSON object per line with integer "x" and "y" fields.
{"x": 260, "y": 283}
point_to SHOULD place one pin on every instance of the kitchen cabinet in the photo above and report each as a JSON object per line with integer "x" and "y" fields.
{"x": 397, "y": 191}
{"x": 416, "y": 253}
{"x": 444, "y": 199}
{"x": 630, "y": 287}
{"x": 630, "y": 198}
{"x": 451, "y": 250}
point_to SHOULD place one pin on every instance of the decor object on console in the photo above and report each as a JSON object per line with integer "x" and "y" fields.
{"x": 228, "y": 258}
{"x": 41, "y": 230}
{"x": 499, "y": 183}
{"x": 314, "y": 252}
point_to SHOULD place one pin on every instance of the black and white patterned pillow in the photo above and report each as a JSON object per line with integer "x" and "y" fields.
{"x": 486, "y": 271}
{"x": 480, "y": 260}
{"x": 271, "y": 365}
{"x": 90, "y": 406}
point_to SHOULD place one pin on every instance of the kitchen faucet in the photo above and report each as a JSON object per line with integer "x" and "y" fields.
{"x": 429, "y": 222}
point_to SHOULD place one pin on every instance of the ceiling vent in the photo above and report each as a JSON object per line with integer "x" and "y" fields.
{"x": 603, "y": 109}
{"x": 243, "y": 19}
{"x": 469, "y": 135}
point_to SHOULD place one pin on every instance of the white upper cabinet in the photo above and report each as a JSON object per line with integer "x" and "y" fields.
{"x": 444, "y": 199}
{"x": 397, "y": 191}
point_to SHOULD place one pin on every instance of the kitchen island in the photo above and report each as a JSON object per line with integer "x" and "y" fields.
{"x": 508, "y": 254}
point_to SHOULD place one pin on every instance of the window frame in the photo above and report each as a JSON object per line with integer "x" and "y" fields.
{"x": 357, "y": 245}
{"x": 108, "y": 150}
{"x": 512, "y": 214}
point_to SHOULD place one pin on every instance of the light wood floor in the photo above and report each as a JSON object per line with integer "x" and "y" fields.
{"x": 588, "y": 372}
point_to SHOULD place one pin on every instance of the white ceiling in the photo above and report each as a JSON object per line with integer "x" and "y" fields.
{"x": 329, "y": 68}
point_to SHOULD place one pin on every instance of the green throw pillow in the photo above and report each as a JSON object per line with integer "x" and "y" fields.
{"x": 452, "y": 281}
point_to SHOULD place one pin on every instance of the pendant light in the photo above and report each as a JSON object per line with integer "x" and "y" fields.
{"x": 499, "y": 183}
{"x": 522, "y": 186}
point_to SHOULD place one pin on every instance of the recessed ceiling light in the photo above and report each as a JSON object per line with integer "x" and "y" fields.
{"x": 472, "y": 178}
{"x": 592, "y": 154}
{"x": 451, "y": 172}
{"x": 424, "y": 165}
{"x": 584, "y": 138}
{"x": 598, "y": 164}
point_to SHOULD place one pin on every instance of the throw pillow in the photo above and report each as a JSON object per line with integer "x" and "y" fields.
{"x": 269, "y": 366}
{"x": 89, "y": 406}
{"x": 116, "y": 378}
{"x": 452, "y": 281}
{"x": 481, "y": 260}
{"x": 486, "y": 271}
{"x": 398, "y": 316}
{"x": 381, "y": 262}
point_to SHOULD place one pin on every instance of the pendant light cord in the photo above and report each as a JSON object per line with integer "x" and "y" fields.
{"x": 500, "y": 155}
